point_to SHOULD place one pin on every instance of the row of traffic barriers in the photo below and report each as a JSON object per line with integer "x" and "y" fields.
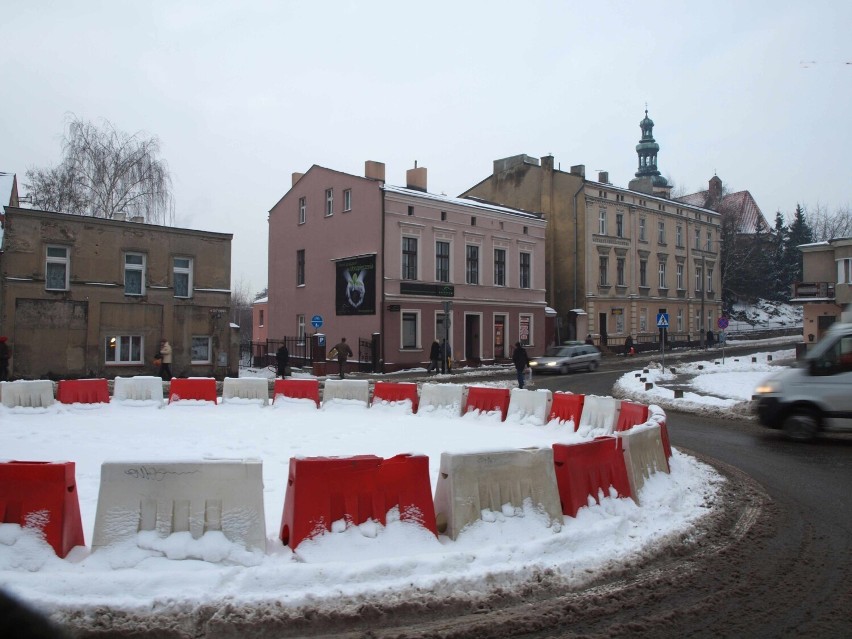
{"x": 227, "y": 495}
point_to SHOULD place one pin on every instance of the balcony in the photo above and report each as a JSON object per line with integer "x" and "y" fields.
{"x": 813, "y": 291}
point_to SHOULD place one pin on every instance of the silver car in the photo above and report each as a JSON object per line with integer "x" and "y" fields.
{"x": 568, "y": 357}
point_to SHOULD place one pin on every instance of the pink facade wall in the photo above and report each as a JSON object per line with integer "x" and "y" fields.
{"x": 259, "y": 321}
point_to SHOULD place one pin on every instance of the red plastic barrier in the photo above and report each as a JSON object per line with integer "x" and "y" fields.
{"x": 487, "y": 400}
{"x": 584, "y": 469}
{"x": 82, "y": 391}
{"x": 203, "y": 388}
{"x": 664, "y": 434}
{"x": 322, "y": 490}
{"x": 396, "y": 392}
{"x": 297, "y": 389}
{"x": 42, "y": 495}
{"x": 567, "y": 406}
{"x": 631, "y": 415}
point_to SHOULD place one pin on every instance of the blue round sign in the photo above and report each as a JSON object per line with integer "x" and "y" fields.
{"x": 316, "y": 321}
{"x": 722, "y": 322}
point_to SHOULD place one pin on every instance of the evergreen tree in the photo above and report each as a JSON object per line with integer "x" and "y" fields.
{"x": 798, "y": 233}
{"x": 777, "y": 271}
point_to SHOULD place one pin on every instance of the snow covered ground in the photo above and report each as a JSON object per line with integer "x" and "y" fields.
{"x": 399, "y": 561}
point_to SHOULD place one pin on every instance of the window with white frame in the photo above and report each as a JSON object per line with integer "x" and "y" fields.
{"x": 300, "y": 327}
{"x": 300, "y": 267}
{"x": 698, "y": 238}
{"x": 680, "y": 277}
{"x": 303, "y": 210}
{"x": 347, "y": 200}
{"x": 471, "y": 264}
{"x": 619, "y": 225}
{"x": 602, "y": 221}
{"x": 662, "y": 274}
{"x": 409, "y": 258}
{"x": 410, "y": 329}
{"x": 182, "y": 276}
{"x": 698, "y": 321}
{"x": 710, "y": 279}
{"x": 643, "y": 320}
{"x": 643, "y": 273}
{"x": 134, "y": 274}
{"x": 123, "y": 349}
{"x": 329, "y": 202}
{"x": 57, "y": 268}
{"x": 525, "y": 266}
{"x": 440, "y": 319}
{"x": 661, "y": 232}
{"x": 260, "y": 317}
{"x": 442, "y": 261}
{"x": 619, "y": 271}
{"x": 603, "y": 266}
{"x": 679, "y": 236}
{"x": 202, "y": 351}
{"x": 499, "y": 267}
{"x": 619, "y": 320}
{"x": 709, "y": 240}
{"x": 844, "y": 271}
{"x": 525, "y": 329}
{"x": 699, "y": 273}
{"x": 642, "y": 237}
{"x": 680, "y": 320}
{"x": 710, "y": 323}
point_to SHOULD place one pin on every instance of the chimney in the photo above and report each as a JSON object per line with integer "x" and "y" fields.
{"x": 295, "y": 178}
{"x": 416, "y": 178}
{"x": 119, "y": 215}
{"x": 547, "y": 162}
{"x": 374, "y": 170}
{"x": 579, "y": 169}
{"x": 139, "y": 219}
{"x": 603, "y": 177}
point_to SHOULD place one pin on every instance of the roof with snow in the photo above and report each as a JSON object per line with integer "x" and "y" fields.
{"x": 740, "y": 203}
{"x": 460, "y": 201}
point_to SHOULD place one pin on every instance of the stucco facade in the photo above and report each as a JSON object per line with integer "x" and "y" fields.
{"x": 826, "y": 289}
{"x": 85, "y": 296}
{"x": 373, "y": 259}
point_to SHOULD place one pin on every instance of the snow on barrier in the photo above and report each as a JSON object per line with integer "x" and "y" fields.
{"x": 324, "y": 490}
{"x": 197, "y": 388}
{"x": 567, "y": 407}
{"x": 644, "y": 455}
{"x": 348, "y": 389}
{"x": 657, "y": 416}
{"x": 297, "y": 389}
{"x": 529, "y": 405}
{"x": 196, "y": 496}
{"x": 589, "y": 470}
{"x": 42, "y": 495}
{"x": 28, "y": 394}
{"x": 473, "y": 482}
{"x": 630, "y": 415}
{"x": 487, "y": 399}
{"x": 246, "y": 388}
{"x": 441, "y": 398}
{"x": 396, "y": 393}
{"x": 141, "y": 388}
{"x": 82, "y": 391}
{"x": 600, "y": 415}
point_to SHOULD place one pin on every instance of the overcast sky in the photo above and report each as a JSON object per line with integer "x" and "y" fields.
{"x": 242, "y": 94}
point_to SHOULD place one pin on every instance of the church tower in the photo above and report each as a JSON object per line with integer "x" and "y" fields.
{"x": 648, "y": 178}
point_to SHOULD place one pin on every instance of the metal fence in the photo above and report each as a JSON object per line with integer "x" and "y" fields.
{"x": 262, "y": 354}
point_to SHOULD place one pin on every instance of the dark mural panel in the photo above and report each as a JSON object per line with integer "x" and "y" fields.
{"x": 355, "y": 292}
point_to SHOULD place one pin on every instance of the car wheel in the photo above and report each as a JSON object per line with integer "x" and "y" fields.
{"x": 592, "y": 366}
{"x": 563, "y": 370}
{"x": 801, "y": 426}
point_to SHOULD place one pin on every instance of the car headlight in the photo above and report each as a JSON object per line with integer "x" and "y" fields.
{"x": 766, "y": 388}
{"x": 551, "y": 363}
{"x": 533, "y": 364}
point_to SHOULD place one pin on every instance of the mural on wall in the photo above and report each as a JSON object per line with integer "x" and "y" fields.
{"x": 355, "y": 292}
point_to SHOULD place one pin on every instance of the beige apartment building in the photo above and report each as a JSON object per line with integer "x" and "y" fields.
{"x": 83, "y": 296}
{"x": 826, "y": 292}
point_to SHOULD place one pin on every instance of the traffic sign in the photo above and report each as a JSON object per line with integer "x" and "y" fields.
{"x": 316, "y": 321}
{"x": 722, "y": 322}
{"x": 662, "y": 320}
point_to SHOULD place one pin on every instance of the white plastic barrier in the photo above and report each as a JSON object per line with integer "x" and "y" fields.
{"x": 197, "y": 496}
{"x": 473, "y": 482}
{"x": 599, "y": 417}
{"x": 441, "y": 398}
{"x": 139, "y": 388}
{"x": 529, "y": 406}
{"x": 252, "y": 388}
{"x": 29, "y": 394}
{"x": 644, "y": 455}
{"x": 350, "y": 389}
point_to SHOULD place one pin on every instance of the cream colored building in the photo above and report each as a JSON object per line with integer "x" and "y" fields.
{"x": 827, "y": 287}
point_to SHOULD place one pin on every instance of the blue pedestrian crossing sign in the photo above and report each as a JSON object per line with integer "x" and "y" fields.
{"x": 662, "y": 320}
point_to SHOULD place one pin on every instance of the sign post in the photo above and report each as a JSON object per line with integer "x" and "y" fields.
{"x": 663, "y": 323}
{"x": 722, "y": 323}
{"x": 445, "y": 347}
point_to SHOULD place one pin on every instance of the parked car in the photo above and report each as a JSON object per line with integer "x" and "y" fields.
{"x": 568, "y": 357}
{"x": 815, "y": 395}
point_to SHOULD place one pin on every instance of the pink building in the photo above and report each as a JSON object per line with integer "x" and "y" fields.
{"x": 383, "y": 263}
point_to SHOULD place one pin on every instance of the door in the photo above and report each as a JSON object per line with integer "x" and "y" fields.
{"x": 602, "y": 329}
{"x": 500, "y": 337}
{"x": 471, "y": 338}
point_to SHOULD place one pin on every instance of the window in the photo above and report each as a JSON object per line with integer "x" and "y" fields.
{"x": 680, "y": 320}
{"x": 440, "y": 329}
{"x": 699, "y": 273}
{"x": 698, "y": 321}
{"x": 603, "y": 264}
{"x": 300, "y": 267}
{"x": 347, "y": 200}
{"x": 411, "y": 210}
{"x": 643, "y": 320}
{"x": 642, "y": 229}
{"x": 619, "y": 271}
{"x": 525, "y": 326}
{"x": 643, "y": 272}
{"x": 679, "y": 236}
{"x": 409, "y": 329}
{"x": 602, "y": 222}
{"x": 303, "y": 210}
{"x": 473, "y": 221}
{"x": 697, "y": 238}
{"x": 499, "y": 267}
{"x": 661, "y": 232}
{"x": 844, "y": 271}
{"x": 709, "y": 240}
{"x": 182, "y": 276}
{"x": 442, "y": 261}
{"x": 329, "y": 202}
{"x": 525, "y": 270}
{"x": 443, "y": 216}
{"x": 56, "y": 268}
{"x": 123, "y": 349}
{"x": 710, "y": 279}
{"x": 409, "y": 258}
{"x": 472, "y": 264}
{"x": 300, "y": 323}
{"x": 260, "y": 317}
{"x": 619, "y": 320}
{"x": 619, "y": 224}
{"x": 202, "y": 353}
{"x": 134, "y": 274}
{"x": 680, "y": 277}
{"x": 662, "y": 275}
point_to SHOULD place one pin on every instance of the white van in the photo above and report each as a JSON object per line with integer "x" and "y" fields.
{"x": 814, "y": 396}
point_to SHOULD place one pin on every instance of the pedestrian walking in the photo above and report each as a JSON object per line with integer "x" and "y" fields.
{"x": 165, "y": 360}
{"x": 521, "y": 361}
{"x": 434, "y": 357}
{"x": 282, "y": 360}
{"x": 343, "y": 353}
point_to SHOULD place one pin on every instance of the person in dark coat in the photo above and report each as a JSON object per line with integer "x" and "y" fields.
{"x": 445, "y": 352}
{"x": 4, "y": 359}
{"x": 589, "y": 340}
{"x": 521, "y": 361}
{"x": 343, "y": 353}
{"x": 282, "y": 360}
{"x": 628, "y": 345}
{"x": 434, "y": 357}
{"x": 709, "y": 338}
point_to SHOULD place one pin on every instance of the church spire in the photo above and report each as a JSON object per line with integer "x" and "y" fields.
{"x": 647, "y": 149}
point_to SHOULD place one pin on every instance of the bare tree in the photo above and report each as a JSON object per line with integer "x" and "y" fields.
{"x": 241, "y": 311}
{"x": 105, "y": 173}
{"x": 827, "y": 225}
